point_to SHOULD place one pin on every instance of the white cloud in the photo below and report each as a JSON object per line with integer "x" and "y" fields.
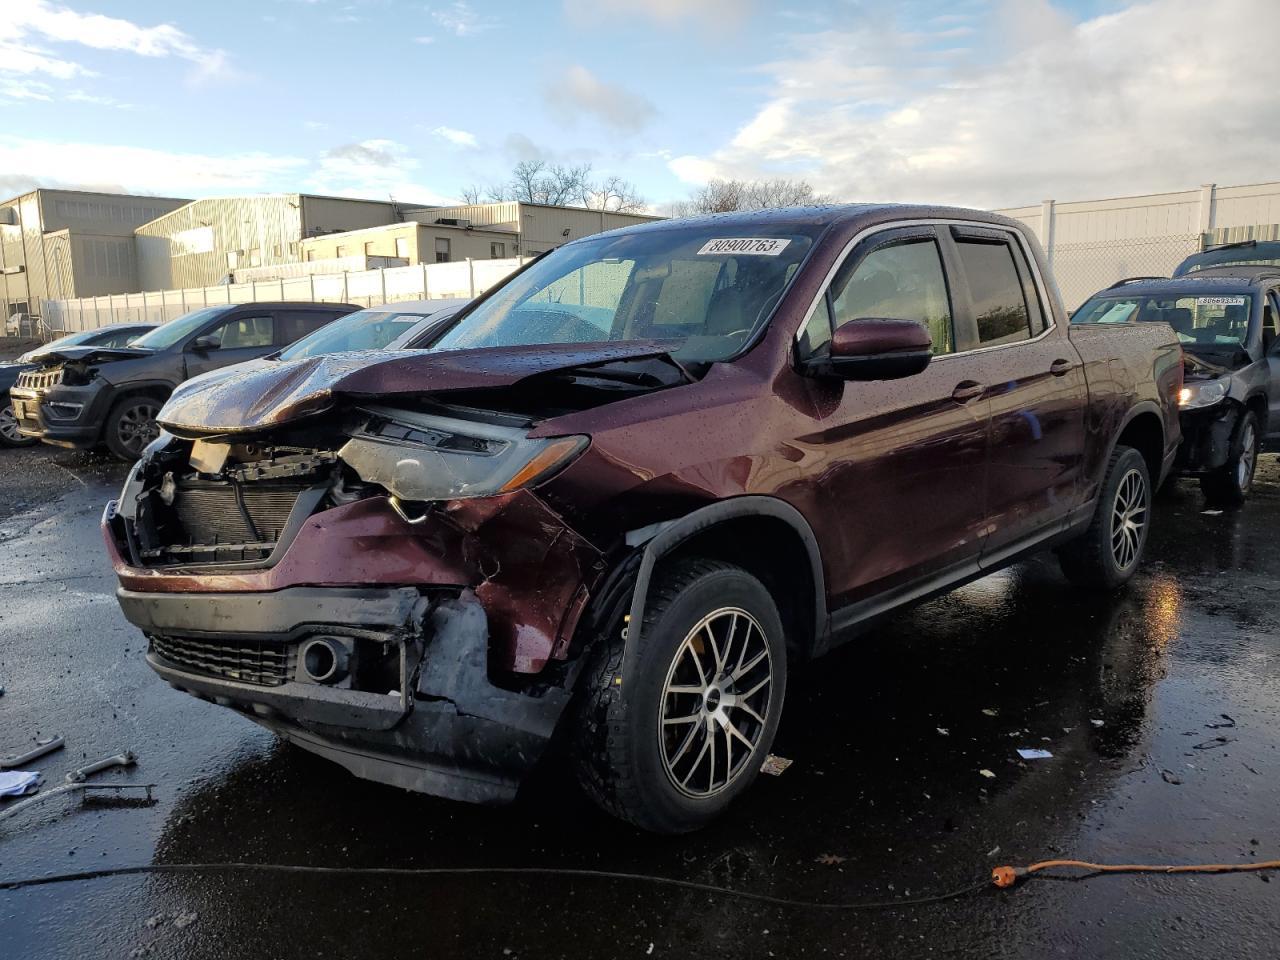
{"x": 461, "y": 19}
{"x": 1133, "y": 101}
{"x": 142, "y": 169}
{"x": 25, "y": 24}
{"x": 25, "y": 90}
{"x": 712, "y": 13}
{"x": 578, "y": 91}
{"x": 424, "y": 40}
{"x": 374, "y": 169}
{"x": 459, "y": 138}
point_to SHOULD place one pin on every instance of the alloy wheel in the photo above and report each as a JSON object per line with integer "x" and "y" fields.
{"x": 9, "y": 425}
{"x": 1128, "y": 519}
{"x": 715, "y": 702}
{"x": 138, "y": 427}
{"x": 1248, "y": 456}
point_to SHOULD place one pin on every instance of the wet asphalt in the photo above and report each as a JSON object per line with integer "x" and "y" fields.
{"x": 1158, "y": 705}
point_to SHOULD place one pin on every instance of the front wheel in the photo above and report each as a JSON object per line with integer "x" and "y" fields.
{"x": 1108, "y": 553}
{"x": 9, "y": 435}
{"x": 671, "y": 746}
{"x": 1229, "y": 486}
{"x": 132, "y": 425}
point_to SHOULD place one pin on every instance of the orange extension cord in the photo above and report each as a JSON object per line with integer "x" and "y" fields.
{"x": 1008, "y": 876}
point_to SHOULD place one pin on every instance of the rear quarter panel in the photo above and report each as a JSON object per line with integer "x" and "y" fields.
{"x": 1130, "y": 368}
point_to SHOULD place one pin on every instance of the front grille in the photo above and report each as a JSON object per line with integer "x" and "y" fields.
{"x": 253, "y": 661}
{"x": 40, "y": 379}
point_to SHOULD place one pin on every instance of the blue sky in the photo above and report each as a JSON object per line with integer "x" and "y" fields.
{"x": 984, "y": 102}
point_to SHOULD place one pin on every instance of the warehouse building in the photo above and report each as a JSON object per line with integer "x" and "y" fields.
{"x": 58, "y": 244}
{"x": 203, "y": 243}
{"x": 481, "y": 231}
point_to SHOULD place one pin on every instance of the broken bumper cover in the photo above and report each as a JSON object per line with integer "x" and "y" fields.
{"x": 436, "y": 725}
{"x": 1206, "y": 438}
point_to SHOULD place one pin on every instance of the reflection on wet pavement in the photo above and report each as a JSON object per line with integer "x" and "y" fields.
{"x": 886, "y": 797}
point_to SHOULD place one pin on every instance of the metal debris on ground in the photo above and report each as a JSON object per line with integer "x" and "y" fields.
{"x": 774, "y": 765}
{"x": 991, "y": 712}
{"x": 1029, "y": 753}
{"x": 987, "y": 773}
{"x": 1097, "y": 723}
{"x": 77, "y": 783}
{"x": 39, "y": 750}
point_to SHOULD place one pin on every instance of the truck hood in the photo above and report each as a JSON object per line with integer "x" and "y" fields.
{"x": 89, "y": 355}
{"x": 1205, "y": 365}
{"x": 264, "y": 394}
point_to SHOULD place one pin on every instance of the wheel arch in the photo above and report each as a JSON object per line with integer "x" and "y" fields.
{"x": 1143, "y": 429}
{"x": 765, "y": 536}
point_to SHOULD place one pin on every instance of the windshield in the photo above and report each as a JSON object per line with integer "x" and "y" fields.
{"x": 175, "y": 331}
{"x": 362, "y": 330}
{"x": 1250, "y": 253}
{"x": 1210, "y": 322}
{"x": 702, "y": 290}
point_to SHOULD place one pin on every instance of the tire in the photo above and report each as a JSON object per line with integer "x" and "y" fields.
{"x": 1110, "y": 551}
{"x": 9, "y": 435}
{"x": 131, "y": 425}
{"x": 1230, "y": 485}
{"x": 633, "y": 756}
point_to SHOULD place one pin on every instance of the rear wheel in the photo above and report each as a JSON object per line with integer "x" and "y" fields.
{"x": 9, "y": 435}
{"x": 1108, "y": 553}
{"x": 1230, "y": 486}
{"x": 670, "y": 747}
{"x": 131, "y": 425}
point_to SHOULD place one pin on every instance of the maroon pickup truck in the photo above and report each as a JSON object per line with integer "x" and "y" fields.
{"x": 628, "y": 488}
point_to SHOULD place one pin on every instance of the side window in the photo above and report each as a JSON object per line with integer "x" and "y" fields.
{"x": 245, "y": 332}
{"x": 902, "y": 280}
{"x": 296, "y": 324}
{"x": 1270, "y": 321}
{"x": 999, "y": 301}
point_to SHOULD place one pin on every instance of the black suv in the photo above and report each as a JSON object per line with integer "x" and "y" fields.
{"x": 86, "y": 396}
{"x": 1226, "y": 320}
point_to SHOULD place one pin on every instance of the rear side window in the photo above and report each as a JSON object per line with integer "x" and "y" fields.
{"x": 999, "y": 300}
{"x": 899, "y": 281}
{"x": 296, "y": 324}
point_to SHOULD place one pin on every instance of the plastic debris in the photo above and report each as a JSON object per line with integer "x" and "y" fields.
{"x": 1211, "y": 513}
{"x": 1096, "y": 723}
{"x": 943, "y": 731}
{"x": 39, "y": 750}
{"x": 774, "y": 766}
{"x": 1030, "y": 753}
{"x": 991, "y": 712}
{"x": 829, "y": 859}
{"x": 987, "y": 773}
{"x": 17, "y": 783}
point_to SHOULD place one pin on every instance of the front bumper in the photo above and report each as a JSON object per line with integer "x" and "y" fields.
{"x": 62, "y": 415}
{"x": 435, "y": 724}
{"x": 1206, "y": 438}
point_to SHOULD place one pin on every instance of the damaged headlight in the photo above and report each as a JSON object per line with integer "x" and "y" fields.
{"x": 421, "y": 457}
{"x": 1203, "y": 393}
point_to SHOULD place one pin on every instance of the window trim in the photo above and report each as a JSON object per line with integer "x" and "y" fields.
{"x": 1041, "y": 283}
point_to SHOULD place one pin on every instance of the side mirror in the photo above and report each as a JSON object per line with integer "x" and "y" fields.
{"x": 205, "y": 344}
{"x": 877, "y": 349}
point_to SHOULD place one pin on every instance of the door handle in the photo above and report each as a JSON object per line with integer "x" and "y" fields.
{"x": 1060, "y": 368}
{"x": 967, "y": 390}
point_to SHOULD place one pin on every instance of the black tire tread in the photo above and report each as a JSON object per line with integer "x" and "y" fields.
{"x": 1080, "y": 559}
{"x": 1220, "y": 488}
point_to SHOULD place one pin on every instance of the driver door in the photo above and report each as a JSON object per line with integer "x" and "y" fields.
{"x": 239, "y": 338}
{"x": 1271, "y": 349}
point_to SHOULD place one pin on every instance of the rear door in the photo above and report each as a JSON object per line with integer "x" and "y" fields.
{"x": 904, "y": 486}
{"x": 1033, "y": 381}
{"x": 295, "y": 324}
{"x": 241, "y": 337}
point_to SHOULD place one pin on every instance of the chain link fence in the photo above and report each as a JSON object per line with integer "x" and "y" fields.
{"x": 1082, "y": 269}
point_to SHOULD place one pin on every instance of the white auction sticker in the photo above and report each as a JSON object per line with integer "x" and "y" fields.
{"x": 749, "y": 246}
{"x": 1220, "y": 301}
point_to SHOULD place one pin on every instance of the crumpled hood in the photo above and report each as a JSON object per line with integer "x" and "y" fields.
{"x": 1209, "y": 367}
{"x": 262, "y": 394}
{"x": 88, "y": 354}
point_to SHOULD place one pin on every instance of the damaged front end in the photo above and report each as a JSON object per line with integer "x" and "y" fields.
{"x": 381, "y": 586}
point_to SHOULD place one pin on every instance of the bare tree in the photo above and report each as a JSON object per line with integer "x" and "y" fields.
{"x": 472, "y": 194}
{"x": 723, "y": 196}
{"x": 613, "y": 193}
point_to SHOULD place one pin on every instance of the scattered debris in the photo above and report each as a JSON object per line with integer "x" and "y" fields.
{"x": 157, "y": 920}
{"x": 1213, "y": 744}
{"x": 987, "y": 773}
{"x": 1251, "y": 770}
{"x": 774, "y": 766}
{"x": 991, "y": 712}
{"x": 1030, "y": 753}
{"x": 184, "y": 920}
{"x": 76, "y": 782}
{"x": 1167, "y": 776}
{"x": 943, "y": 731}
{"x": 39, "y": 750}
{"x": 17, "y": 783}
{"x": 1097, "y": 723}
{"x": 993, "y": 851}
{"x": 1211, "y": 513}
{"x": 1222, "y": 726}
{"x": 829, "y": 859}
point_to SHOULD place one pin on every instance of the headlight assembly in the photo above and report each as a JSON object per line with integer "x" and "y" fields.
{"x": 1202, "y": 393}
{"x": 421, "y": 457}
